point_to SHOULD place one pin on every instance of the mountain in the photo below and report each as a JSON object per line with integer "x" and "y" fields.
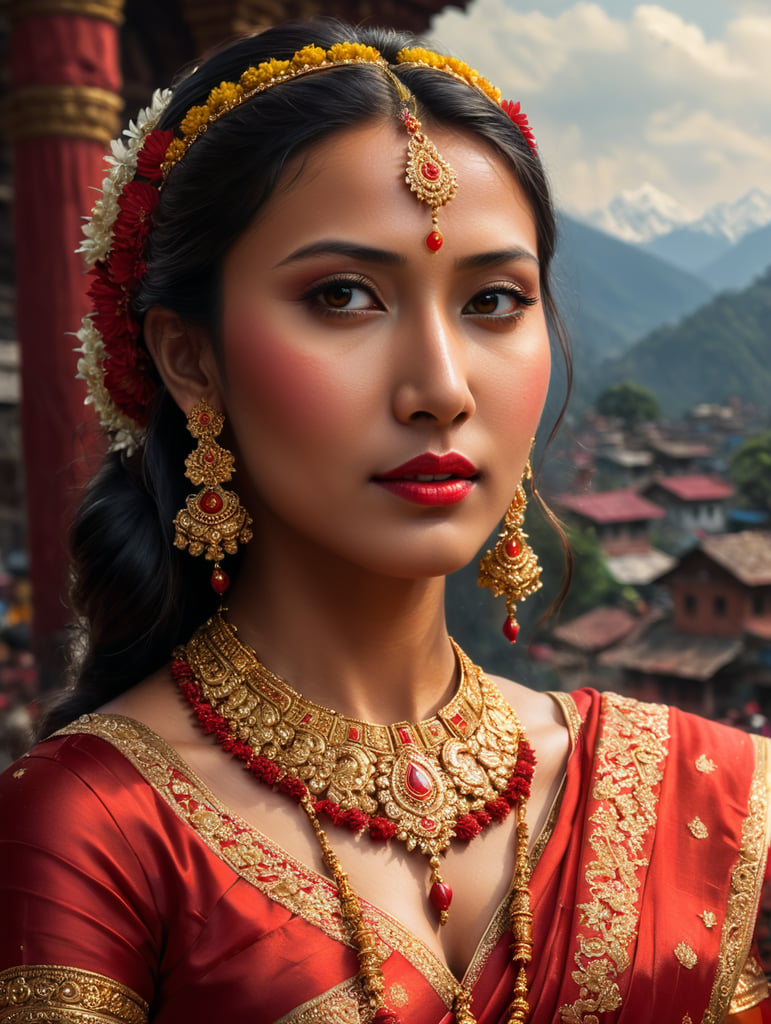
{"x": 739, "y": 266}
{"x": 719, "y": 352}
{"x": 612, "y": 293}
{"x": 689, "y": 249}
{"x": 638, "y": 215}
{"x": 734, "y": 220}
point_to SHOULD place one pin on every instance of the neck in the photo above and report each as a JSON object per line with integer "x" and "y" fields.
{"x": 370, "y": 647}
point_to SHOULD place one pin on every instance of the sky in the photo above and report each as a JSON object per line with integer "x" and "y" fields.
{"x": 676, "y": 94}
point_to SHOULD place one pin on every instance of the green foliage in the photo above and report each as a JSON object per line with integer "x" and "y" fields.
{"x": 751, "y": 471}
{"x": 629, "y": 402}
{"x": 719, "y": 352}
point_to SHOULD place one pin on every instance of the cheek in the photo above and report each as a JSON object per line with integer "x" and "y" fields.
{"x": 270, "y": 377}
{"x": 520, "y": 388}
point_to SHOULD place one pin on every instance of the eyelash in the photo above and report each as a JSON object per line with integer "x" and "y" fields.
{"x": 313, "y": 297}
{"x": 353, "y": 281}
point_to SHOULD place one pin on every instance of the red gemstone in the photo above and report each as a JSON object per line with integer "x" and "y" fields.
{"x": 459, "y": 720}
{"x": 513, "y": 548}
{"x": 204, "y": 419}
{"x": 418, "y": 782}
{"x": 209, "y": 457}
{"x": 430, "y": 172}
{"x": 428, "y": 824}
{"x": 220, "y": 581}
{"x": 441, "y": 895}
{"x": 353, "y": 733}
{"x": 210, "y": 502}
{"x": 510, "y": 631}
{"x": 434, "y": 241}
{"x": 404, "y": 735}
{"x": 306, "y": 719}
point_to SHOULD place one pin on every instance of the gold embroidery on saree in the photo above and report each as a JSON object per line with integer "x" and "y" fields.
{"x": 342, "y": 1004}
{"x": 709, "y": 919}
{"x": 299, "y": 889}
{"x": 628, "y": 776}
{"x": 48, "y": 994}
{"x": 705, "y": 764}
{"x": 686, "y": 955}
{"x": 752, "y": 988}
{"x": 744, "y": 894}
{"x": 698, "y": 829}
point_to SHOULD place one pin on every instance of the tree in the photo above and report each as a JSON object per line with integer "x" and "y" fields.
{"x": 628, "y": 402}
{"x": 751, "y": 471}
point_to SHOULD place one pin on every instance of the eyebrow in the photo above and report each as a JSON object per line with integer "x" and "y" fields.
{"x": 368, "y": 254}
{"x": 489, "y": 259}
{"x": 329, "y": 247}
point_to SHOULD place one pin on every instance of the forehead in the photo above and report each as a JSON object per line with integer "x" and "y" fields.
{"x": 354, "y": 183}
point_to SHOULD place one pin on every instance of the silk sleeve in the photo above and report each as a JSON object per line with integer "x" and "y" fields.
{"x": 80, "y": 932}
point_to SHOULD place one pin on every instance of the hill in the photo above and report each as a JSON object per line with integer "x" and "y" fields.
{"x": 612, "y": 293}
{"x": 743, "y": 261}
{"x": 720, "y": 351}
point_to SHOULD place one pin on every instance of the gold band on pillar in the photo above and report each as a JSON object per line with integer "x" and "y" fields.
{"x": 72, "y": 111}
{"x": 106, "y": 10}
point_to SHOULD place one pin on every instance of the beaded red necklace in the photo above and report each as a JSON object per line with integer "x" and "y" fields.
{"x": 424, "y": 783}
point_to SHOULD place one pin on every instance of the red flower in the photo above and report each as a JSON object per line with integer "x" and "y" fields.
{"x": 519, "y": 118}
{"x": 498, "y": 809}
{"x": 354, "y": 819}
{"x": 382, "y": 828}
{"x": 153, "y": 153}
{"x": 137, "y": 204}
{"x": 293, "y": 787}
{"x": 466, "y": 827}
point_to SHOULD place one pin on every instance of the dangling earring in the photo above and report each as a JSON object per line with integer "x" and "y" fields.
{"x": 511, "y": 568}
{"x": 213, "y": 521}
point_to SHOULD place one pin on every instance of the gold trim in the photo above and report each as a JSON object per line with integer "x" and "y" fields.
{"x": 249, "y": 853}
{"x": 50, "y": 993}
{"x": 342, "y": 1004}
{"x": 705, "y": 764}
{"x": 709, "y": 919}
{"x": 752, "y": 988}
{"x": 627, "y": 782}
{"x": 69, "y": 111}
{"x": 104, "y": 10}
{"x": 567, "y": 706}
{"x": 744, "y": 894}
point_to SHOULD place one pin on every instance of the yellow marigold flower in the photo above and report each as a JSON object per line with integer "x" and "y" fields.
{"x": 309, "y": 56}
{"x": 353, "y": 51}
{"x": 249, "y": 79}
{"x": 193, "y": 120}
{"x": 224, "y": 95}
{"x": 175, "y": 151}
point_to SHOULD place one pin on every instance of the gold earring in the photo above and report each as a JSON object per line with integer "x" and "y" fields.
{"x": 213, "y": 522}
{"x": 511, "y": 567}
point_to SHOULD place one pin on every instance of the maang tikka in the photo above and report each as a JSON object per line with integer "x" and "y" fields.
{"x": 511, "y": 568}
{"x": 213, "y": 522}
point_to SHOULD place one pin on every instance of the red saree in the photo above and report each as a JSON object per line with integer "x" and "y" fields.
{"x": 130, "y": 893}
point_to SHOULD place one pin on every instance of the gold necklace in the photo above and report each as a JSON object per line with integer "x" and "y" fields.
{"x": 422, "y": 783}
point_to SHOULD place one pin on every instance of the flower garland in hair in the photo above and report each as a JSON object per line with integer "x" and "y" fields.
{"x": 118, "y": 372}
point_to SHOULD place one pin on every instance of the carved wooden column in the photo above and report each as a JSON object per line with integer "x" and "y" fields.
{"x": 64, "y": 108}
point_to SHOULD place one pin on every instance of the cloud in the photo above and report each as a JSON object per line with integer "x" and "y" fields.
{"x": 647, "y": 95}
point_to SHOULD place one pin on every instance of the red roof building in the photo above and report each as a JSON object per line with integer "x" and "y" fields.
{"x": 622, "y": 519}
{"x": 694, "y": 503}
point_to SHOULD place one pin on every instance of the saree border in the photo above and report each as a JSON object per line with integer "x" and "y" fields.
{"x": 626, "y": 786}
{"x": 54, "y": 993}
{"x": 744, "y": 892}
{"x": 342, "y": 1004}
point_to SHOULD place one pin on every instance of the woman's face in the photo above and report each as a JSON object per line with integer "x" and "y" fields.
{"x": 350, "y": 351}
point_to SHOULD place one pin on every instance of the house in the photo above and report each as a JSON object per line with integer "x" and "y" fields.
{"x": 694, "y": 503}
{"x": 621, "y": 519}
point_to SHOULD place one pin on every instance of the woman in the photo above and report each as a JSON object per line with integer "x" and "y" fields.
{"x": 327, "y": 254}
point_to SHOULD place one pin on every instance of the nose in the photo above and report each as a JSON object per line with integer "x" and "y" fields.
{"x": 432, "y": 379}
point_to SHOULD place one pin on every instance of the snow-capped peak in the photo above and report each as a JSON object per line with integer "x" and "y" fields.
{"x": 638, "y": 215}
{"x": 642, "y": 214}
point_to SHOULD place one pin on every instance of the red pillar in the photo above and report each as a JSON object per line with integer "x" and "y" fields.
{"x": 64, "y": 109}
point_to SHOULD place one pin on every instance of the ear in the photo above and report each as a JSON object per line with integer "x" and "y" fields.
{"x": 184, "y": 358}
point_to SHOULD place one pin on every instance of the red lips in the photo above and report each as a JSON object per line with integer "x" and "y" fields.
{"x": 450, "y": 479}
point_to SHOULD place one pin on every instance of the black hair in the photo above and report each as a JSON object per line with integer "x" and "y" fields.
{"x": 134, "y": 594}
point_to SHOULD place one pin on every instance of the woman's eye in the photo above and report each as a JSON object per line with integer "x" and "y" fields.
{"x": 498, "y": 302}
{"x": 342, "y": 296}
